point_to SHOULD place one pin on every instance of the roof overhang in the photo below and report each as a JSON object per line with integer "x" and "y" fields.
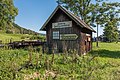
{"x": 72, "y": 16}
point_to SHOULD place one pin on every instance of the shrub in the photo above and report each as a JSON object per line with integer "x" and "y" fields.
{"x": 9, "y": 31}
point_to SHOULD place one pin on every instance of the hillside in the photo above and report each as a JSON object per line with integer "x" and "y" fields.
{"x": 18, "y": 29}
{"x": 18, "y": 33}
{"x": 5, "y": 38}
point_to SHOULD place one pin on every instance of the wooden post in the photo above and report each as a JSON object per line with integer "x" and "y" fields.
{"x": 30, "y": 54}
{"x": 97, "y": 37}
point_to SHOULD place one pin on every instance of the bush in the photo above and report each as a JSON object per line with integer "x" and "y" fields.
{"x": 9, "y": 31}
{"x": 24, "y": 37}
{"x": 37, "y": 37}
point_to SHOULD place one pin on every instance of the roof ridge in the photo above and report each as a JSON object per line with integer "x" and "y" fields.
{"x": 79, "y": 19}
{"x": 71, "y": 15}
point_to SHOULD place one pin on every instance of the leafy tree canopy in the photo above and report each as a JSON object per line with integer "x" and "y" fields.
{"x": 7, "y": 13}
{"x": 91, "y": 11}
{"x": 96, "y": 13}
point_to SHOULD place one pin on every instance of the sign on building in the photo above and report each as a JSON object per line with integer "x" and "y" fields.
{"x": 62, "y": 24}
{"x": 68, "y": 36}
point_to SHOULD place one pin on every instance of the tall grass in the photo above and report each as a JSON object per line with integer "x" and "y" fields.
{"x": 97, "y": 65}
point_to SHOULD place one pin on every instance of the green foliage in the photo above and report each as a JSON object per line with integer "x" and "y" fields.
{"x": 80, "y": 7}
{"x": 8, "y": 31}
{"x": 37, "y": 37}
{"x": 105, "y": 15}
{"x": 105, "y": 12}
{"x": 85, "y": 9}
{"x": 10, "y": 63}
{"x": 100, "y": 13}
{"x": 6, "y": 37}
{"x": 111, "y": 21}
{"x": 20, "y": 30}
{"x": 25, "y": 37}
{"x": 102, "y": 63}
{"x": 7, "y": 12}
{"x": 14, "y": 37}
{"x": 111, "y": 32}
{"x": 17, "y": 37}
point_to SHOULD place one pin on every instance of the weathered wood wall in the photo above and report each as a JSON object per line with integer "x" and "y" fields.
{"x": 78, "y": 44}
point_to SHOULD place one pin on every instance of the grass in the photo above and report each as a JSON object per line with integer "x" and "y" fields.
{"x": 15, "y": 37}
{"x": 18, "y": 37}
{"x": 108, "y": 53}
{"x": 104, "y": 66}
{"x": 107, "y": 50}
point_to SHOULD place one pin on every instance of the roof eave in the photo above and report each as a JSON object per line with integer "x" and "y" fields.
{"x": 44, "y": 25}
{"x": 94, "y": 31}
{"x": 69, "y": 14}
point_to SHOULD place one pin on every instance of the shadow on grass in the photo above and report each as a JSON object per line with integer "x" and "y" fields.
{"x": 106, "y": 53}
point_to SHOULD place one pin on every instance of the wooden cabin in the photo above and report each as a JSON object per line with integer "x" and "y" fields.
{"x": 64, "y": 30}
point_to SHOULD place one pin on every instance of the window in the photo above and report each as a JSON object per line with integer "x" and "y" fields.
{"x": 55, "y": 34}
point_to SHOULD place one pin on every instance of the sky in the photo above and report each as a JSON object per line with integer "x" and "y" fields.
{"x": 32, "y": 14}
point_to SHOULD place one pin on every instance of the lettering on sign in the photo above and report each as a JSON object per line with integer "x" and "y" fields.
{"x": 62, "y": 24}
{"x": 87, "y": 34}
{"x": 89, "y": 39}
{"x": 68, "y": 36}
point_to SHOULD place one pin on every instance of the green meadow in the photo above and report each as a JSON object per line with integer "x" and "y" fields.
{"x": 101, "y": 63}
{"x": 15, "y": 37}
{"x": 19, "y": 37}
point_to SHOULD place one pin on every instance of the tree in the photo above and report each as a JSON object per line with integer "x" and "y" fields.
{"x": 92, "y": 13}
{"x": 79, "y": 7}
{"x": 107, "y": 14}
{"x": 111, "y": 32}
{"x": 86, "y": 10}
{"x": 111, "y": 29}
{"x": 7, "y": 14}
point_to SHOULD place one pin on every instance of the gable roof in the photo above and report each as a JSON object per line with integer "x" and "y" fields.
{"x": 71, "y": 15}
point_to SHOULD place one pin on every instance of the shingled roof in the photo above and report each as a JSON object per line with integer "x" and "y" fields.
{"x": 71, "y": 15}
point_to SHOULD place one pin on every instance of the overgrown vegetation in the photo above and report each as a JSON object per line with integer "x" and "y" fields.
{"x": 100, "y": 64}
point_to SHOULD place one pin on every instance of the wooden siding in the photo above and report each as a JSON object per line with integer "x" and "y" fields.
{"x": 78, "y": 44}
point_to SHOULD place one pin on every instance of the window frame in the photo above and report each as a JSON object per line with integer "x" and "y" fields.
{"x": 55, "y": 35}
